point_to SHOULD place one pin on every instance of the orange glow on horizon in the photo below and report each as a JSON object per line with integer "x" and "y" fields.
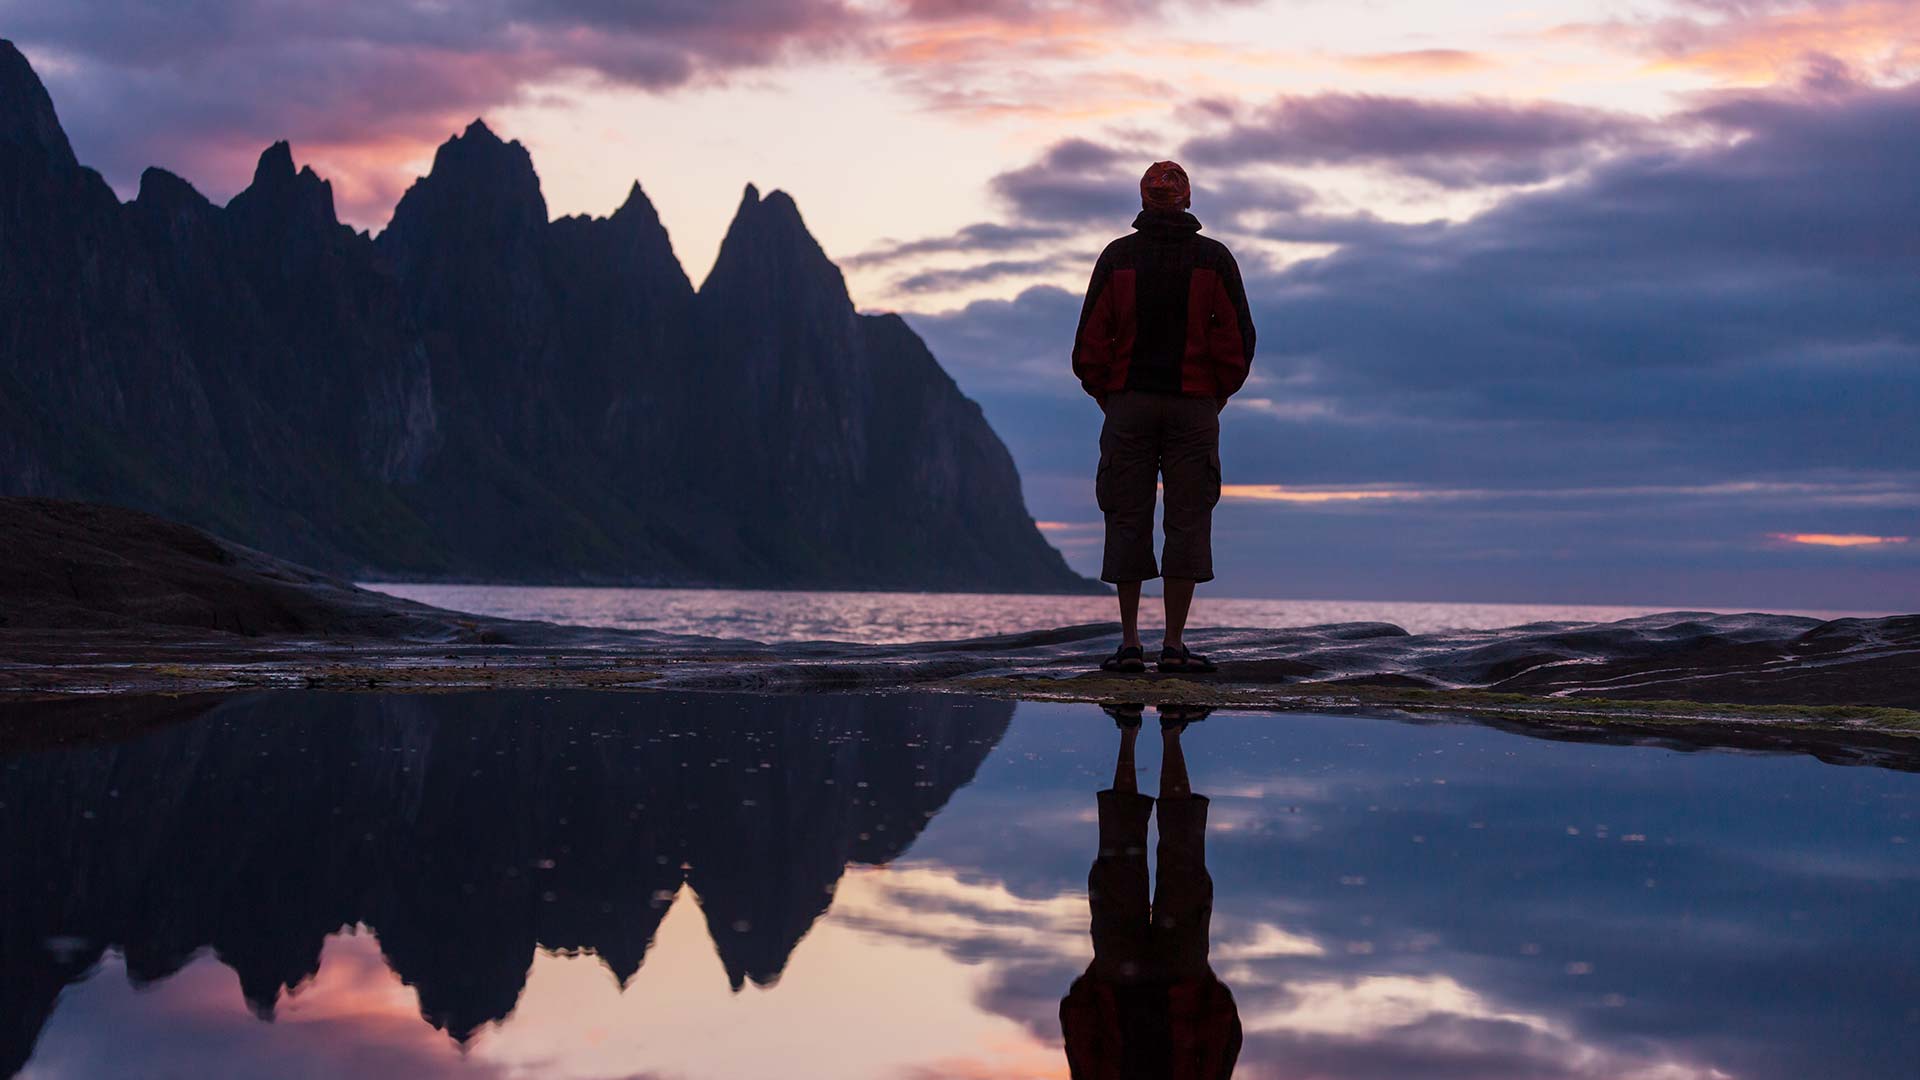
{"x": 1842, "y": 540}
{"x": 1280, "y": 493}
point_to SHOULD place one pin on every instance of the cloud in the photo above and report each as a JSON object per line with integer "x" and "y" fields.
{"x": 1760, "y": 41}
{"x": 941, "y": 280}
{"x": 1020, "y": 344}
{"x": 1683, "y": 295}
{"x": 1079, "y": 183}
{"x": 363, "y": 87}
{"x": 1075, "y": 181}
{"x": 1422, "y": 62}
{"x": 975, "y": 239}
{"x": 1450, "y": 143}
{"x": 1653, "y": 366}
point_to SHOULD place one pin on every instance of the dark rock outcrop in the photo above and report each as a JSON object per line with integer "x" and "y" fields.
{"x": 481, "y": 393}
{"x": 98, "y": 572}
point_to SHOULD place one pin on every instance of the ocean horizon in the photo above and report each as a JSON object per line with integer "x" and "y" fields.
{"x": 888, "y": 618}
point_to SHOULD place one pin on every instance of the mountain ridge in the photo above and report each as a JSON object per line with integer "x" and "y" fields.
{"x": 479, "y": 392}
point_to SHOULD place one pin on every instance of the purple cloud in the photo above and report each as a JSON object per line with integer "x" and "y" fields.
{"x": 362, "y": 86}
{"x": 978, "y": 238}
{"x": 943, "y": 279}
{"x": 1738, "y": 314}
{"x": 1082, "y": 183}
{"x": 1450, "y": 143}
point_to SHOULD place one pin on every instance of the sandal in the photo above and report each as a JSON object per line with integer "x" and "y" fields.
{"x": 1127, "y": 658}
{"x": 1175, "y": 718}
{"x": 1183, "y": 660}
{"x": 1125, "y": 716}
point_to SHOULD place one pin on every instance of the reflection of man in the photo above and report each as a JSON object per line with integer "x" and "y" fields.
{"x": 1149, "y": 1005}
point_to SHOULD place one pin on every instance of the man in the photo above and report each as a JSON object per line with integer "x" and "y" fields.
{"x": 1149, "y": 1005}
{"x": 1165, "y": 339}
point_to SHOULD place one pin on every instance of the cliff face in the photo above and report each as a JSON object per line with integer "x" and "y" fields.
{"x": 481, "y": 393}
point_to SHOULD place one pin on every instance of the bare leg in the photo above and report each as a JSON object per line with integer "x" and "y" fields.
{"x": 1130, "y": 612}
{"x": 1179, "y": 599}
{"x": 1124, "y": 774}
{"x": 1173, "y": 764}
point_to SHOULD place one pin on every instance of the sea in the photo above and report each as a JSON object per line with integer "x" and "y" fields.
{"x": 885, "y": 618}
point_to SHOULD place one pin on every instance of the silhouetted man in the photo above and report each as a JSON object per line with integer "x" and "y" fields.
{"x": 1165, "y": 339}
{"x": 1150, "y": 1006}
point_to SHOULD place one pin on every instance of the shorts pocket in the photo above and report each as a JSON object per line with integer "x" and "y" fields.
{"x": 1213, "y": 477}
{"x": 1102, "y": 489}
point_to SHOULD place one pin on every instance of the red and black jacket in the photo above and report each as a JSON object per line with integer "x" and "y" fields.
{"x": 1166, "y": 313}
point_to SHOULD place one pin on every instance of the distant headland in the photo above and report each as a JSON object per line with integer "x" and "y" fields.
{"x": 480, "y": 393}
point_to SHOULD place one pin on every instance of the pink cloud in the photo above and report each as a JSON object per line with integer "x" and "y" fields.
{"x": 1772, "y": 40}
{"x": 364, "y": 86}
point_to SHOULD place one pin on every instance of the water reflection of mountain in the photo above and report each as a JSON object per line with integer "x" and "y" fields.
{"x": 465, "y": 830}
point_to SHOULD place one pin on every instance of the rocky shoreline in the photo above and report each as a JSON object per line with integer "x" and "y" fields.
{"x": 102, "y": 601}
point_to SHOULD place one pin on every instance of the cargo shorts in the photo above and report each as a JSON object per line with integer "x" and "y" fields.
{"x": 1149, "y": 438}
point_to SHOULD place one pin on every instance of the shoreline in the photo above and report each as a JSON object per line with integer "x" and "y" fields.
{"x": 100, "y": 602}
{"x": 140, "y": 698}
{"x": 1045, "y": 666}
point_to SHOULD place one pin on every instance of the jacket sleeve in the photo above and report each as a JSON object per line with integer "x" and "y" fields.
{"x": 1232, "y": 331}
{"x": 1093, "y": 341}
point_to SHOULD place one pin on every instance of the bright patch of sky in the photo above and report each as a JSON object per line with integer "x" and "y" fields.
{"x": 872, "y": 147}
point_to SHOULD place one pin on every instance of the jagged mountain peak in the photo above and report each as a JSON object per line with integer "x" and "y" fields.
{"x": 479, "y": 150}
{"x": 275, "y": 164}
{"x": 636, "y": 203}
{"x": 27, "y": 119}
{"x": 280, "y": 193}
{"x": 164, "y": 191}
{"x": 477, "y": 182}
{"x": 479, "y": 130}
{"x": 768, "y": 249}
{"x": 775, "y": 206}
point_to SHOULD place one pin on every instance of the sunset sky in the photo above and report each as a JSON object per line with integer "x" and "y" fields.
{"x": 1569, "y": 300}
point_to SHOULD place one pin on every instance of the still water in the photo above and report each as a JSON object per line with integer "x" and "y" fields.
{"x": 590, "y": 885}
{"x": 883, "y": 618}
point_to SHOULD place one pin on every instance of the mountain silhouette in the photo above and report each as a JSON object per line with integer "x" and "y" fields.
{"x": 481, "y": 393}
{"x": 466, "y": 831}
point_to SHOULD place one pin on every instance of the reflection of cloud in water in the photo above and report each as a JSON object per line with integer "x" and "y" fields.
{"x": 968, "y": 919}
{"x": 1711, "y": 911}
{"x": 1265, "y": 942}
{"x": 1436, "y": 1018}
{"x": 1737, "y": 910}
{"x": 352, "y": 1016}
{"x": 677, "y": 1017}
{"x": 1030, "y": 948}
{"x": 1373, "y": 1004}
